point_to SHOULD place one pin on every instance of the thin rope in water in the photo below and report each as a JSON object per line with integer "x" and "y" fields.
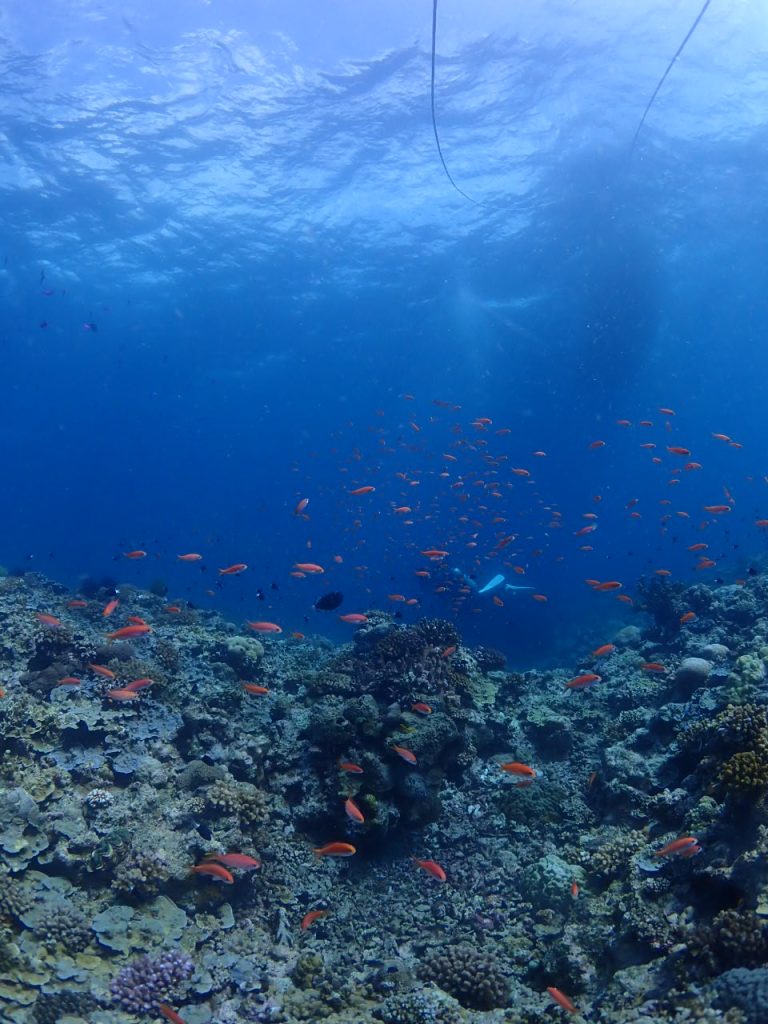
{"x": 663, "y": 78}
{"x": 434, "y": 121}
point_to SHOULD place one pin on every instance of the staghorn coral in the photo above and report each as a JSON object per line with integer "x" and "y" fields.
{"x": 472, "y": 976}
{"x": 141, "y": 985}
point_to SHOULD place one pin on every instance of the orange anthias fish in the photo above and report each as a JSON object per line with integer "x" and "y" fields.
{"x": 233, "y": 570}
{"x": 434, "y": 553}
{"x": 348, "y": 766}
{"x": 264, "y": 627}
{"x": 580, "y": 682}
{"x": 242, "y": 861}
{"x": 421, "y": 708}
{"x": 407, "y": 755}
{"x": 562, "y": 999}
{"x": 48, "y": 620}
{"x": 256, "y": 689}
{"x": 191, "y": 556}
{"x": 122, "y": 694}
{"x": 335, "y": 850}
{"x": 518, "y": 768}
{"x": 680, "y": 846}
{"x": 601, "y": 651}
{"x": 129, "y": 632}
{"x": 102, "y": 670}
{"x": 139, "y": 684}
{"x": 653, "y": 666}
{"x": 309, "y": 567}
{"x": 215, "y": 871}
{"x": 77, "y": 603}
{"x": 134, "y": 554}
{"x": 367, "y": 489}
{"x": 353, "y": 811}
{"x": 354, "y": 618}
{"x": 687, "y": 617}
{"x": 431, "y": 867}
{"x": 110, "y": 606}
{"x": 169, "y": 1013}
{"x": 311, "y": 917}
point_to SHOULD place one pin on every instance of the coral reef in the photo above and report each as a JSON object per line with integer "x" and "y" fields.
{"x": 141, "y": 985}
{"x": 555, "y": 869}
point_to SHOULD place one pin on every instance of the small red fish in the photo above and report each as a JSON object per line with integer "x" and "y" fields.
{"x": 421, "y": 708}
{"x": 264, "y": 627}
{"x": 242, "y": 861}
{"x": 311, "y": 917}
{"x": 215, "y": 871}
{"x": 48, "y": 620}
{"x": 717, "y": 509}
{"x": 580, "y": 682}
{"x": 407, "y": 755}
{"x": 134, "y": 554}
{"x": 448, "y": 651}
{"x": 431, "y": 867}
{"x": 139, "y": 684}
{"x": 354, "y": 618}
{"x": 675, "y": 450}
{"x": 518, "y": 768}
{"x": 233, "y": 570}
{"x": 191, "y": 556}
{"x": 604, "y": 649}
{"x": 677, "y": 846}
{"x": 687, "y": 617}
{"x": 353, "y": 811}
{"x": 309, "y": 567}
{"x": 102, "y": 670}
{"x": 122, "y": 694}
{"x": 434, "y": 553}
{"x": 367, "y": 489}
{"x": 129, "y": 632}
{"x": 575, "y": 890}
{"x": 68, "y": 681}
{"x": 256, "y": 689}
{"x": 136, "y": 620}
{"x": 609, "y": 586}
{"x": 562, "y": 999}
{"x": 110, "y": 606}
{"x": 77, "y": 603}
{"x": 653, "y": 666}
{"x": 335, "y": 850}
{"x": 300, "y": 506}
{"x": 169, "y": 1013}
{"x": 348, "y": 766}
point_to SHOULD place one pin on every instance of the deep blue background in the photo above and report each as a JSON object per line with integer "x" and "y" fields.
{"x": 250, "y": 207}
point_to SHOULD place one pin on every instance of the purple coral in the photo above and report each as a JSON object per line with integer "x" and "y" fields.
{"x": 141, "y": 985}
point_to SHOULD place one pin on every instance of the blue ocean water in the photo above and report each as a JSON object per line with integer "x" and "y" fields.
{"x": 230, "y": 253}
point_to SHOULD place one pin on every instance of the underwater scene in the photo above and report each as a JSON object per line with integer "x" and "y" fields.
{"x": 383, "y": 566}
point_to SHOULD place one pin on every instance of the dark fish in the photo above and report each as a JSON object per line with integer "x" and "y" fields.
{"x": 260, "y": 594}
{"x": 274, "y": 586}
{"x": 92, "y": 327}
{"x": 43, "y": 323}
{"x": 328, "y": 602}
